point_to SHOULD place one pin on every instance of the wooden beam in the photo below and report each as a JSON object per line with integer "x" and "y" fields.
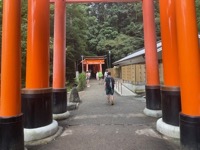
{"x": 98, "y": 1}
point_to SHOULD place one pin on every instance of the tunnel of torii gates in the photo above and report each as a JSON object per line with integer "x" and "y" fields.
{"x": 181, "y": 61}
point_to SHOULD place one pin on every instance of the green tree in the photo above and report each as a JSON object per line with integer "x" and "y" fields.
{"x": 77, "y": 36}
{"x": 198, "y": 13}
{"x": 24, "y": 13}
{"x": 118, "y": 27}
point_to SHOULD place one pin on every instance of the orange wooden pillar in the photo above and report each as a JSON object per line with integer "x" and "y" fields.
{"x": 171, "y": 103}
{"x": 87, "y": 66}
{"x": 100, "y": 67}
{"x": 59, "y": 59}
{"x": 11, "y": 124}
{"x": 189, "y": 62}
{"x": 37, "y": 96}
{"x": 153, "y": 98}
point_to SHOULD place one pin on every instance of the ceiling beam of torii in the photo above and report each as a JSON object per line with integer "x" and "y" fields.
{"x": 97, "y": 1}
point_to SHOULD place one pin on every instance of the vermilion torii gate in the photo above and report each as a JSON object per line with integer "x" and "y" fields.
{"x": 37, "y": 95}
{"x": 153, "y": 85}
{"x": 95, "y": 61}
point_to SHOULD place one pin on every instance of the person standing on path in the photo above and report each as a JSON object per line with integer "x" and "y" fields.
{"x": 100, "y": 76}
{"x": 88, "y": 78}
{"x": 105, "y": 74}
{"x": 97, "y": 77}
{"x": 109, "y": 87}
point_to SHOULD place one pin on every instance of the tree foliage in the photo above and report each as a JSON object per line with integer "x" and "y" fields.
{"x": 24, "y": 21}
{"x": 114, "y": 20}
{"x": 198, "y": 13}
{"x": 77, "y": 33}
{"x": 117, "y": 27}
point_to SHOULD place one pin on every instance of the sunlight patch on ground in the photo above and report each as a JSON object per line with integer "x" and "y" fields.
{"x": 148, "y": 132}
{"x": 67, "y": 132}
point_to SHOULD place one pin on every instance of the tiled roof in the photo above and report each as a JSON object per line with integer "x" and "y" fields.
{"x": 138, "y": 53}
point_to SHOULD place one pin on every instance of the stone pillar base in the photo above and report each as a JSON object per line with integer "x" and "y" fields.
{"x": 72, "y": 106}
{"x": 152, "y": 113}
{"x": 61, "y": 116}
{"x": 45, "y": 140}
{"x": 167, "y": 129}
{"x": 41, "y": 132}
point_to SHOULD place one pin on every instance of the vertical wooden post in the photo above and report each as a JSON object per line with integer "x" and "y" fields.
{"x": 153, "y": 98}
{"x": 59, "y": 59}
{"x": 10, "y": 104}
{"x": 37, "y": 96}
{"x": 189, "y": 62}
{"x": 170, "y": 91}
{"x": 100, "y": 66}
{"x": 86, "y": 66}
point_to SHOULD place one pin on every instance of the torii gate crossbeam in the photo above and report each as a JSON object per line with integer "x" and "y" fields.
{"x": 98, "y": 1}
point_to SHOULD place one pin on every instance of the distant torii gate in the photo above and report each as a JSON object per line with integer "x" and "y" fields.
{"x": 98, "y": 61}
{"x": 37, "y": 96}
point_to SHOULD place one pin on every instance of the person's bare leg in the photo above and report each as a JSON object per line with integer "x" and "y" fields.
{"x": 112, "y": 99}
{"x": 88, "y": 83}
{"x": 108, "y": 98}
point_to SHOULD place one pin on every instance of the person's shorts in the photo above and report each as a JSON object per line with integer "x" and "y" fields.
{"x": 109, "y": 91}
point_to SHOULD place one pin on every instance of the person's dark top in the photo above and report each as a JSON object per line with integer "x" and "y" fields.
{"x": 108, "y": 80}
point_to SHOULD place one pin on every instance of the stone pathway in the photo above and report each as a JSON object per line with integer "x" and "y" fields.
{"x": 96, "y": 125}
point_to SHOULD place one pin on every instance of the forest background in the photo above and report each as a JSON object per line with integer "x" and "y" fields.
{"x": 94, "y": 29}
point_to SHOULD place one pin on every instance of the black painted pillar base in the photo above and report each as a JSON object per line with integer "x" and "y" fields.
{"x": 171, "y": 105}
{"x": 37, "y": 107}
{"x": 189, "y": 132}
{"x": 153, "y": 97}
{"x": 11, "y": 133}
{"x": 59, "y": 100}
